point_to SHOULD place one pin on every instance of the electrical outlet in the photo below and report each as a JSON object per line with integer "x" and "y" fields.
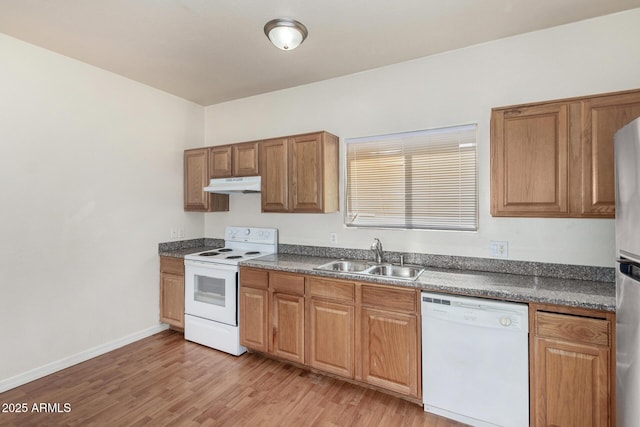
{"x": 180, "y": 232}
{"x": 333, "y": 238}
{"x": 499, "y": 249}
{"x": 173, "y": 232}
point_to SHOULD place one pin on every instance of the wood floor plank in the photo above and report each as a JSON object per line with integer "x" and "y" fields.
{"x": 164, "y": 380}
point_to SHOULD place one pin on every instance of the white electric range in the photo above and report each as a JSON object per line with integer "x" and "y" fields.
{"x": 211, "y": 287}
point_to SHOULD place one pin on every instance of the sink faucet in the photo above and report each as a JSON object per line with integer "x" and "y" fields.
{"x": 376, "y": 247}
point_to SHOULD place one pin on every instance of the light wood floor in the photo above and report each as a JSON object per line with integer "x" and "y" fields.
{"x": 165, "y": 380}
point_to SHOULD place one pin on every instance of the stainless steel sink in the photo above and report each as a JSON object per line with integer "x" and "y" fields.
{"x": 345, "y": 266}
{"x": 396, "y": 271}
{"x": 407, "y": 272}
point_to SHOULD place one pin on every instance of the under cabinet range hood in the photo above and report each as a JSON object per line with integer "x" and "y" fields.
{"x": 243, "y": 184}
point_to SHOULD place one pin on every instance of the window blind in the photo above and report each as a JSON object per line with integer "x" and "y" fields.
{"x": 422, "y": 179}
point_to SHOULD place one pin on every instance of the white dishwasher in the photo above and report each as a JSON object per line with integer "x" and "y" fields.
{"x": 475, "y": 360}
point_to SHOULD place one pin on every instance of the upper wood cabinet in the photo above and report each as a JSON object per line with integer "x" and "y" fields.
{"x": 555, "y": 159}
{"x": 602, "y": 117}
{"x": 235, "y": 160}
{"x": 529, "y": 148}
{"x": 196, "y": 177}
{"x": 300, "y": 173}
{"x": 275, "y": 175}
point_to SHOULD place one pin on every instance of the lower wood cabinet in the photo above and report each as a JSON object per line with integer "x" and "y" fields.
{"x": 331, "y": 326}
{"x": 172, "y": 291}
{"x": 390, "y": 350}
{"x": 254, "y": 318}
{"x": 390, "y": 338}
{"x": 287, "y": 313}
{"x": 367, "y": 333}
{"x": 572, "y": 368}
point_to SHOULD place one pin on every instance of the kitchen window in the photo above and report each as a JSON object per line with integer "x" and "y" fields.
{"x": 413, "y": 180}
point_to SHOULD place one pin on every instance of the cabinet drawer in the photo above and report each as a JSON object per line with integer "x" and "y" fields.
{"x": 331, "y": 289}
{"x": 393, "y": 298}
{"x": 287, "y": 283}
{"x": 172, "y": 265}
{"x": 254, "y": 278}
{"x": 573, "y": 328}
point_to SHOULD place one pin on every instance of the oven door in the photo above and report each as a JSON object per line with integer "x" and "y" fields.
{"x": 211, "y": 291}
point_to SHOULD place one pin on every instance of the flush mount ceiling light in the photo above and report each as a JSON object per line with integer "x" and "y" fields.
{"x": 285, "y": 33}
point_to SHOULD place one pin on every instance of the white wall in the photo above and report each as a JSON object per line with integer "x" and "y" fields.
{"x": 91, "y": 172}
{"x": 589, "y": 57}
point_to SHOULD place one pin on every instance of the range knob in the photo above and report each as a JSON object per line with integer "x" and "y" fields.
{"x": 505, "y": 321}
{"x": 247, "y": 231}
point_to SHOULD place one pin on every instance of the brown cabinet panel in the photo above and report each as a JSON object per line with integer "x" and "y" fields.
{"x": 292, "y": 284}
{"x": 245, "y": 159}
{"x": 254, "y": 278}
{"x": 275, "y": 175}
{"x": 288, "y": 327}
{"x": 172, "y": 265}
{"x": 220, "y": 161}
{"x": 306, "y": 173}
{"x": 196, "y": 177}
{"x": 331, "y": 337}
{"x": 572, "y": 384}
{"x": 391, "y": 298}
{"x": 603, "y": 116}
{"x": 172, "y": 291}
{"x": 331, "y": 289}
{"x": 254, "y": 332}
{"x": 300, "y": 173}
{"x": 390, "y": 350}
{"x": 529, "y": 149}
{"x": 573, "y": 328}
{"x": 555, "y": 159}
{"x": 572, "y": 367}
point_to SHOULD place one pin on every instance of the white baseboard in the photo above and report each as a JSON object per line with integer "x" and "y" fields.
{"x": 58, "y": 365}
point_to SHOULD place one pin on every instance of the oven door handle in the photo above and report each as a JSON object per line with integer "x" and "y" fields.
{"x": 210, "y": 265}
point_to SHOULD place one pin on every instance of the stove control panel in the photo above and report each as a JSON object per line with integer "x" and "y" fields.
{"x": 252, "y": 235}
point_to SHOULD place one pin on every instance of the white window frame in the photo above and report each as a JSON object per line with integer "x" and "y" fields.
{"x": 420, "y": 142}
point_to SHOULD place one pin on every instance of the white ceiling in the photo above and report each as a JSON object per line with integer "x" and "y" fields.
{"x": 211, "y": 51}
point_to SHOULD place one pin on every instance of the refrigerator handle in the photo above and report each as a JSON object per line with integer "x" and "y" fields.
{"x": 629, "y": 268}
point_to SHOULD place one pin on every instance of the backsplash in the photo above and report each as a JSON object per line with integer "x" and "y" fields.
{"x": 527, "y": 268}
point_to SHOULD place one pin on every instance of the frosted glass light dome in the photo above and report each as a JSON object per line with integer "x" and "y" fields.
{"x": 285, "y": 34}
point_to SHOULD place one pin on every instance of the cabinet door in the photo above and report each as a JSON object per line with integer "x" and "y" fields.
{"x": 331, "y": 337}
{"x": 529, "y": 166}
{"x": 390, "y": 350}
{"x": 571, "y": 384}
{"x": 172, "y": 299}
{"x": 288, "y": 327}
{"x": 220, "y": 161}
{"x": 196, "y": 177}
{"x": 275, "y": 173}
{"x": 603, "y": 116}
{"x": 306, "y": 178}
{"x": 254, "y": 319}
{"x": 245, "y": 159}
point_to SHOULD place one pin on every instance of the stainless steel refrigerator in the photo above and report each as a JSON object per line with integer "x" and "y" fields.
{"x": 627, "y": 166}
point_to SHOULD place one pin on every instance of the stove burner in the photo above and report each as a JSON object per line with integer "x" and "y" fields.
{"x": 225, "y": 250}
{"x": 234, "y": 256}
{"x": 209, "y": 254}
{"x": 252, "y": 253}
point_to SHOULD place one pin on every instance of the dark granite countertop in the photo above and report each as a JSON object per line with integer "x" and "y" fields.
{"x": 180, "y": 253}
{"x": 513, "y": 287}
